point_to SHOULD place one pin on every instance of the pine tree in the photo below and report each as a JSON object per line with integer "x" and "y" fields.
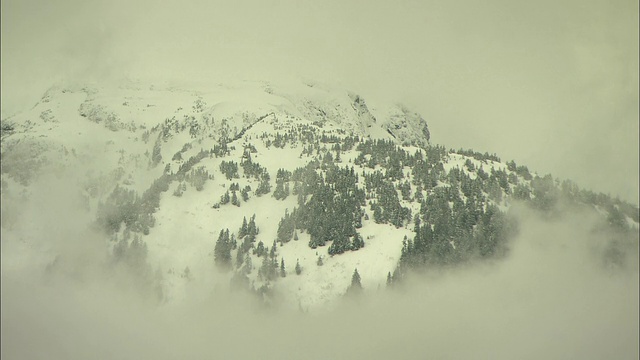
{"x": 283, "y": 273}
{"x": 234, "y": 199}
{"x": 240, "y": 257}
{"x": 186, "y": 274}
{"x": 377, "y": 214}
{"x": 248, "y": 265}
{"x": 243, "y": 229}
{"x": 356, "y": 286}
{"x": 272, "y": 253}
{"x": 224, "y": 199}
{"x": 267, "y": 269}
{"x": 339, "y": 245}
{"x": 358, "y": 242}
{"x": 260, "y": 249}
{"x": 252, "y": 230}
{"x": 156, "y": 156}
{"x": 222, "y": 250}
{"x": 264, "y": 187}
{"x": 233, "y": 244}
{"x": 286, "y": 227}
{"x": 245, "y": 193}
{"x": 298, "y": 268}
{"x": 616, "y": 219}
{"x": 389, "y": 279}
{"x": 278, "y": 193}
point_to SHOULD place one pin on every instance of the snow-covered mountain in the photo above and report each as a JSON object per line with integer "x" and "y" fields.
{"x": 161, "y": 172}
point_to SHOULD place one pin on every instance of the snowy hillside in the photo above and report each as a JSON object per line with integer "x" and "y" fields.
{"x": 168, "y": 174}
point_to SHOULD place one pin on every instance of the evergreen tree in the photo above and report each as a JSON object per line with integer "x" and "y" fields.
{"x": 405, "y": 189}
{"x": 156, "y": 156}
{"x": 240, "y": 257}
{"x": 279, "y": 193}
{"x": 186, "y": 274}
{"x": 521, "y": 192}
{"x": 245, "y": 193}
{"x": 298, "y": 268}
{"x": 224, "y": 199}
{"x": 252, "y": 230}
{"x": 267, "y": 270}
{"x": 358, "y": 242}
{"x": 222, "y": 250}
{"x": 339, "y": 245}
{"x": 234, "y": 199}
{"x": 389, "y": 279}
{"x": 244, "y": 229}
{"x": 248, "y": 265}
{"x": 418, "y": 195}
{"x": 283, "y": 273}
{"x": 616, "y": 219}
{"x": 264, "y": 187}
{"x": 260, "y": 249}
{"x": 272, "y": 253}
{"x": 233, "y": 244}
{"x": 377, "y": 214}
{"x": 286, "y": 227}
{"x": 136, "y": 254}
{"x": 356, "y": 286}
{"x": 282, "y": 184}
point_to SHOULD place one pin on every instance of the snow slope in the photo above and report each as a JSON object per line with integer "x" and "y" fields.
{"x": 107, "y": 136}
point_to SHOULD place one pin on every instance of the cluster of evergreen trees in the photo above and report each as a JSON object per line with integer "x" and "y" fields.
{"x": 220, "y": 150}
{"x": 131, "y": 251}
{"x": 124, "y": 206}
{"x": 222, "y": 249}
{"x": 258, "y": 172}
{"x": 387, "y": 207}
{"x": 458, "y": 218}
{"x": 268, "y": 271}
{"x": 476, "y": 155}
{"x": 229, "y": 169}
{"x": 186, "y": 166}
{"x": 180, "y": 189}
{"x": 197, "y": 177}
{"x": 332, "y": 212}
{"x": 231, "y": 195}
{"x": 282, "y": 184}
{"x": 178, "y": 155}
{"x": 287, "y": 227}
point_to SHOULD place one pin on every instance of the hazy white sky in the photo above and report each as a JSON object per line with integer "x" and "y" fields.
{"x": 551, "y": 84}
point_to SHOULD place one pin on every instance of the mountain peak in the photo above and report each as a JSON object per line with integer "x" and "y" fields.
{"x": 329, "y": 181}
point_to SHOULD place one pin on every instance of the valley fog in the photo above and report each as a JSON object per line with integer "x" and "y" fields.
{"x": 554, "y": 297}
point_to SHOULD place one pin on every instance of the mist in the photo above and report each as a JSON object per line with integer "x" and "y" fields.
{"x": 552, "y": 85}
{"x": 554, "y": 296}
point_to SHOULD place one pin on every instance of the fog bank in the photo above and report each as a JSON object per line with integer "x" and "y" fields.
{"x": 553, "y": 297}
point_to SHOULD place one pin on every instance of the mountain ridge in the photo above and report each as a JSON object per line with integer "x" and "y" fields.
{"x": 169, "y": 162}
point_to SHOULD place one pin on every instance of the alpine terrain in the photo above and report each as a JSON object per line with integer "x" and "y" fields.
{"x": 297, "y": 193}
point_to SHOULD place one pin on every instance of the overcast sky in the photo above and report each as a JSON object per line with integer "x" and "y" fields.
{"x": 551, "y": 84}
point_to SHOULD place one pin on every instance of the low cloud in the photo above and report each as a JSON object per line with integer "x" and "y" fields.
{"x": 554, "y": 296}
